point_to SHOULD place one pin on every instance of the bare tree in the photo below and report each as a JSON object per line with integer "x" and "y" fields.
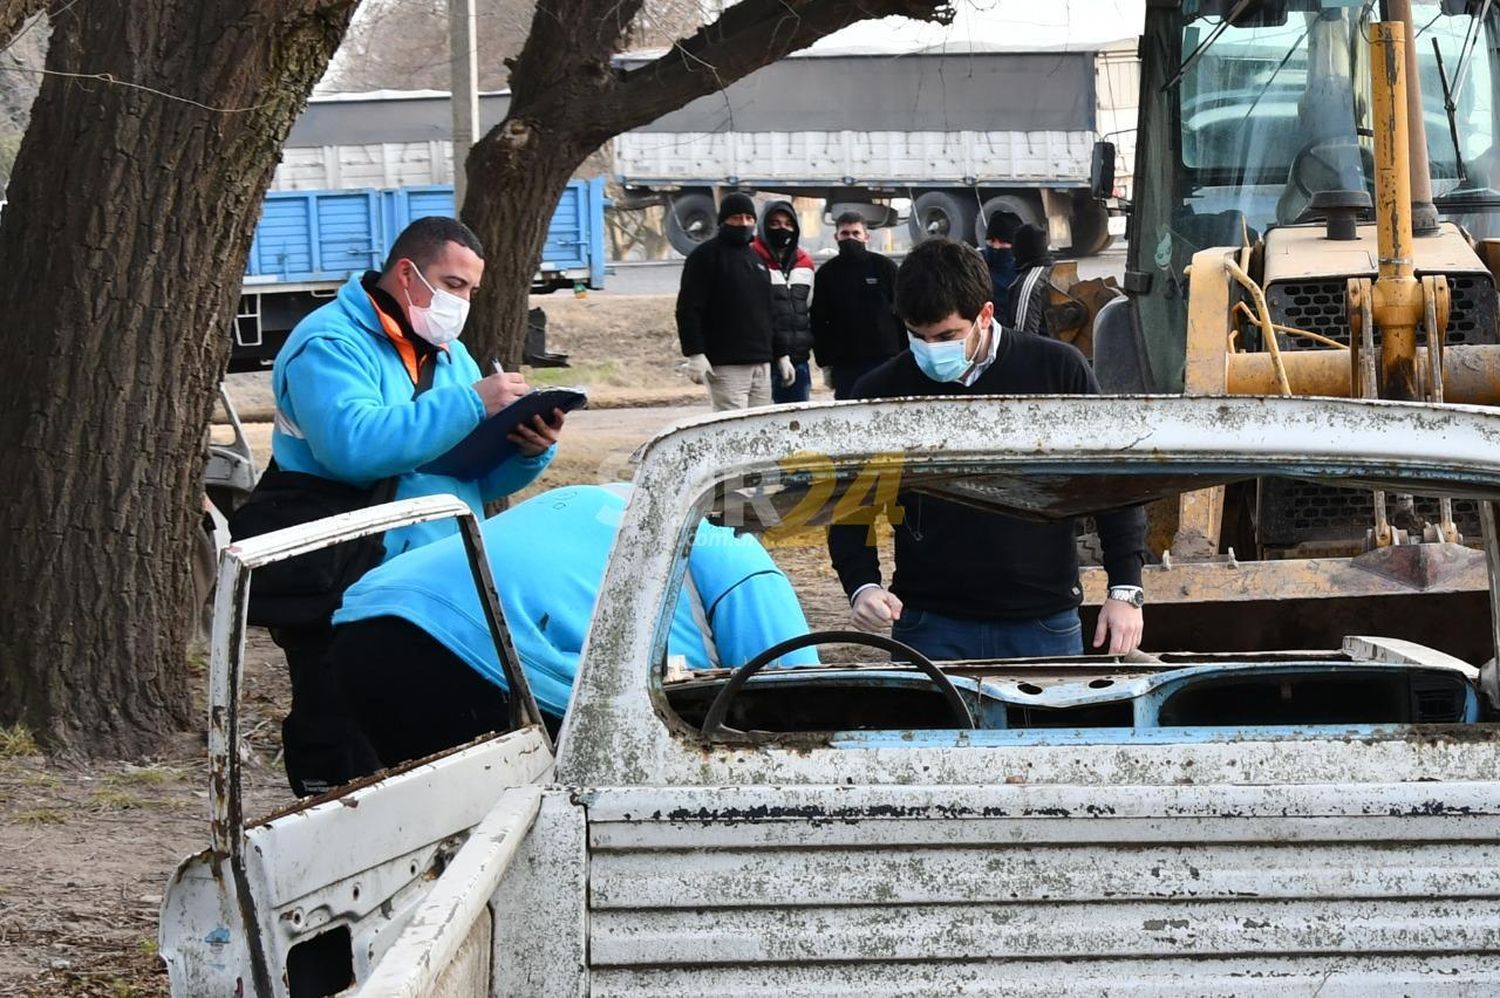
{"x": 568, "y": 98}
{"x": 132, "y": 205}
{"x": 403, "y": 44}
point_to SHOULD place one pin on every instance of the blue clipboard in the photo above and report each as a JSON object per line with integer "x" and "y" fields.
{"x": 479, "y": 453}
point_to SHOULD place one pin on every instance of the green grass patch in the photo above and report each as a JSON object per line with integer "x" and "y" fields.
{"x": 115, "y": 799}
{"x": 16, "y": 742}
{"x": 41, "y": 816}
{"x": 604, "y": 373}
{"x": 143, "y": 776}
{"x": 42, "y": 781}
{"x": 197, "y": 662}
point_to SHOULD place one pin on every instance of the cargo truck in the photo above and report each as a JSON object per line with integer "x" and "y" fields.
{"x": 959, "y": 134}
{"x": 309, "y": 242}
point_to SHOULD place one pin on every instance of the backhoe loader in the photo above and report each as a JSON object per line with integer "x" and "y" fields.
{"x": 1314, "y": 195}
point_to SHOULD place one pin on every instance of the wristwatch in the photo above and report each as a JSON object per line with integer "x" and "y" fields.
{"x": 1134, "y": 595}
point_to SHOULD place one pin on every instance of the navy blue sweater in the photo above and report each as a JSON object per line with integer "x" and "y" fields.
{"x": 963, "y": 562}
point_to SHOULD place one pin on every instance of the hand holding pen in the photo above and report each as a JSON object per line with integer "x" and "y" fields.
{"x": 500, "y": 389}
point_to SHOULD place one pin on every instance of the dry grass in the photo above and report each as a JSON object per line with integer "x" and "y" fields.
{"x": 143, "y": 776}
{"x": 17, "y": 742}
{"x": 114, "y": 799}
{"x": 41, "y": 816}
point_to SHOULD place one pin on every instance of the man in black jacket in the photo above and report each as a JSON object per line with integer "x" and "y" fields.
{"x": 724, "y": 313}
{"x": 791, "y": 273}
{"x": 970, "y": 584}
{"x": 1031, "y": 291}
{"x": 1000, "y": 257}
{"x": 854, "y": 322}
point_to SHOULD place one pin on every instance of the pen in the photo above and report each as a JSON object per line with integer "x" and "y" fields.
{"x": 498, "y": 368}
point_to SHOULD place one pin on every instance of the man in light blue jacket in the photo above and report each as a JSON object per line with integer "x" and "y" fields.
{"x": 372, "y": 386}
{"x": 414, "y": 655}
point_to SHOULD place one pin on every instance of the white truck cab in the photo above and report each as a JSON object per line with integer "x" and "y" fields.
{"x": 1281, "y": 821}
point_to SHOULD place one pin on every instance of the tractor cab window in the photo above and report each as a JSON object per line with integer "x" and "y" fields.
{"x": 1275, "y": 107}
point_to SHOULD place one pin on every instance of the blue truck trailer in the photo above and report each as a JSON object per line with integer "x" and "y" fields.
{"x": 308, "y": 243}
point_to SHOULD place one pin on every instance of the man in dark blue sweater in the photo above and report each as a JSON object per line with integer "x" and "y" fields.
{"x": 970, "y": 584}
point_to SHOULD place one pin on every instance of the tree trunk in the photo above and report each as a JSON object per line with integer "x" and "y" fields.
{"x": 132, "y": 205}
{"x": 567, "y": 100}
{"x": 531, "y": 172}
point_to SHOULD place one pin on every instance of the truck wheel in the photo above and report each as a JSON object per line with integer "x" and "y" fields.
{"x": 876, "y": 216}
{"x": 1027, "y": 211}
{"x": 1090, "y": 229}
{"x": 938, "y": 213}
{"x": 691, "y": 219}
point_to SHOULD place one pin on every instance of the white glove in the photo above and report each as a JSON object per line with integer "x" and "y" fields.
{"x": 699, "y": 369}
{"x": 787, "y": 372}
{"x": 874, "y": 609}
{"x": 828, "y": 377}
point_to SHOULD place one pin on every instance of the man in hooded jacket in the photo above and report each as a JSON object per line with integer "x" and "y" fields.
{"x": 1031, "y": 291}
{"x": 724, "y": 313}
{"x": 414, "y": 648}
{"x": 999, "y": 256}
{"x": 791, "y": 273}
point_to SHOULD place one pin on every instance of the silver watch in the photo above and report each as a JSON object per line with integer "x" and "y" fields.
{"x": 1133, "y": 595}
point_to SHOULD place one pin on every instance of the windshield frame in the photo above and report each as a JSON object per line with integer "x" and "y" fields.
{"x": 628, "y": 731}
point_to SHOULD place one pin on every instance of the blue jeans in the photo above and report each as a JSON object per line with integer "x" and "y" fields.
{"x": 798, "y": 391}
{"x": 949, "y": 638}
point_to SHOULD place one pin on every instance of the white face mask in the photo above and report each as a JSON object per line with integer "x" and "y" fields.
{"x": 440, "y": 321}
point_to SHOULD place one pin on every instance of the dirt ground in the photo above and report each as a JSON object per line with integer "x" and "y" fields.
{"x": 86, "y": 852}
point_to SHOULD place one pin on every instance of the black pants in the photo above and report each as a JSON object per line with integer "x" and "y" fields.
{"x": 410, "y": 695}
{"x": 322, "y": 747}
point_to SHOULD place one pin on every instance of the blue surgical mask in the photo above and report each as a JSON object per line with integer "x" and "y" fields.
{"x": 942, "y": 361}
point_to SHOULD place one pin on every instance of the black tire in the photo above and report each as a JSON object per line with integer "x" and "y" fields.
{"x": 691, "y": 219}
{"x": 938, "y": 213}
{"x": 1090, "y": 229}
{"x": 1027, "y": 210}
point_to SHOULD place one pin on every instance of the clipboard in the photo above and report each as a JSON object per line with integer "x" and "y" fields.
{"x": 488, "y": 444}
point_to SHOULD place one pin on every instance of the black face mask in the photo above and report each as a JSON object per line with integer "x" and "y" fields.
{"x": 852, "y": 247}
{"x": 998, "y": 259}
{"x": 737, "y": 235}
{"x": 780, "y": 239}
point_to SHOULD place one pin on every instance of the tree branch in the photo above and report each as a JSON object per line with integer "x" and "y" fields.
{"x": 747, "y": 36}
{"x": 560, "y": 37}
{"x": 14, "y": 14}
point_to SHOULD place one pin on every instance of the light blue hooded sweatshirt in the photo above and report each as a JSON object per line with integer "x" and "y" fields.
{"x": 548, "y": 556}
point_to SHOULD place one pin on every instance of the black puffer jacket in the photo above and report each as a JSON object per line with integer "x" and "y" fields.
{"x": 724, "y": 304}
{"x": 791, "y": 272}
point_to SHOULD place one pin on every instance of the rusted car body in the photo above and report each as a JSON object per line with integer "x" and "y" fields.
{"x": 1287, "y": 821}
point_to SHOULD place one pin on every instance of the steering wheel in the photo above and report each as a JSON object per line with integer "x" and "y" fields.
{"x": 713, "y": 722}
